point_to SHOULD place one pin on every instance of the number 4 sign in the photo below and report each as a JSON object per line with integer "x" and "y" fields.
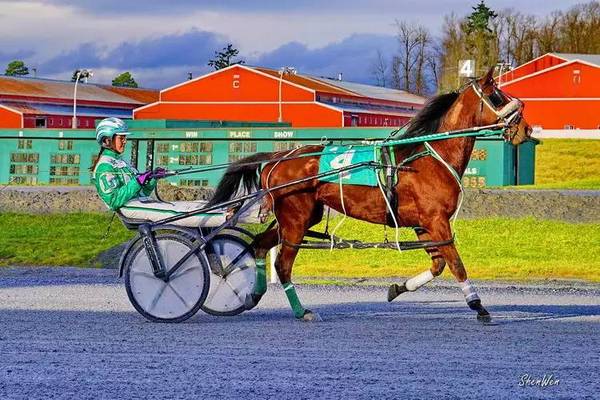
{"x": 466, "y": 68}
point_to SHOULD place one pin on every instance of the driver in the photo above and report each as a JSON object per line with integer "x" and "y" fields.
{"x": 128, "y": 192}
{"x": 117, "y": 182}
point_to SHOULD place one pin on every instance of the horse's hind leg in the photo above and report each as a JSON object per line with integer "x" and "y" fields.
{"x": 437, "y": 267}
{"x": 262, "y": 244}
{"x": 300, "y": 213}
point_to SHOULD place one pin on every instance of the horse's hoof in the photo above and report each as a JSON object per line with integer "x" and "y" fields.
{"x": 396, "y": 290}
{"x": 251, "y": 301}
{"x": 311, "y": 316}
{"x": 484, "y": 318}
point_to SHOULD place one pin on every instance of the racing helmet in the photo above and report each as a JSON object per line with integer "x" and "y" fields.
{"x": 109, "y": 127}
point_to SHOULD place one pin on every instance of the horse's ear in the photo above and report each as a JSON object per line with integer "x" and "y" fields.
{"x": 488, "y": 78}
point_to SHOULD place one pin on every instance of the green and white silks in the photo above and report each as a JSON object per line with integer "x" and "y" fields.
{"x": 116, "y": 182}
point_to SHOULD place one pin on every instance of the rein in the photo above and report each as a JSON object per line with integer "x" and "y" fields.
{"x": 480, "y": 131}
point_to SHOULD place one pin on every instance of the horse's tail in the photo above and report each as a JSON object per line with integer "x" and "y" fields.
{"x": 244, "y": 172}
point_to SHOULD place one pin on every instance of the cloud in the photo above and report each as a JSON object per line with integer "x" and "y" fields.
{"x": 163, "y": 61}
{"x": 6, "y": 57}
{"x": 352, "y": 56}
{"x": 192, "y": 49}
{"x": 238, "y": 6}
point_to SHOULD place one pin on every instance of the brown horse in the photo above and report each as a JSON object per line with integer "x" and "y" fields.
{"x": 427, "y": 193}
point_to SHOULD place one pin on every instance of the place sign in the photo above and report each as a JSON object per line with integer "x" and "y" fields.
{"x": 240, "y": 134}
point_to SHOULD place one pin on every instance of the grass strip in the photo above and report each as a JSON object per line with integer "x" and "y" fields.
{"x": 491, "y": 249}
{"x": 566, "y": 164}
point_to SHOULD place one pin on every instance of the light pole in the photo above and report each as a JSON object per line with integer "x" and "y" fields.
{"x": 283, "y": 70}
{"x": 85, "y": 74}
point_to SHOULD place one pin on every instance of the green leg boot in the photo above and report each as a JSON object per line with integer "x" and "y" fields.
{"x": 260, "y": 286}
{"x": 299, "y": 311}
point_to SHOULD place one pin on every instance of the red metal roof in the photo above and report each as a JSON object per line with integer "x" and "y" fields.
{"x": 55, "y": 109}
{"x": 306, "y": 82}
{"x": 144, "y": 96}
{"x": 32, "y": 87}
{"x": 344, "y": 88}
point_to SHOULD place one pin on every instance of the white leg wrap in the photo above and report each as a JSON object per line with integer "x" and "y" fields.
{"x": 417, "y": 281}
{"x": 469, "y": 291}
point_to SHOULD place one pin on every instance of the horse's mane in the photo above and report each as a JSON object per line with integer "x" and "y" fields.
{"x": 428, "y": 120}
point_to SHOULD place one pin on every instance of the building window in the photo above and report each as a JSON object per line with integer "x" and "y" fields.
{"x": 69, "y": 159}
{"x": 40, "y": 122}
{"x": 183, "y": 153}
{"x": 65, "y": 145}
{"x": 24, "y": 144}
{"x": 196, "y": 159}
{"x": 24, "y": 180}
{"x": 239, "y": 150}
{"x": 24, "y": 167}
{"x": 285, "y": 146}
{"x": 24, "y": 157}
{"x": 354, "y": 120}
{"x": 194, "y": 182}
{"x": 195, "y": 147}
{"x": 162, "y": 147}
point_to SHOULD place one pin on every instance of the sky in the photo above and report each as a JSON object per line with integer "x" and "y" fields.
{"x": 161, "y": 41}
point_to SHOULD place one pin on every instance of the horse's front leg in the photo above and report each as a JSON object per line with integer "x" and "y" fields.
{"x": 301, "y": 212}
{"x": 437, "y": 267}
{"x": 439, "y": 230}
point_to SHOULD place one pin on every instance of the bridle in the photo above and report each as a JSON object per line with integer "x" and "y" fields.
{"x": 509, "y": 116}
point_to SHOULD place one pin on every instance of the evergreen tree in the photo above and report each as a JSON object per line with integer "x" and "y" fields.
{"x": 223, "y": 59}
{"x": 481, "y": 41}
{"x": 479, "y": 19}
{"x": 125, "y": 80}
{"x": 16, "y": 68}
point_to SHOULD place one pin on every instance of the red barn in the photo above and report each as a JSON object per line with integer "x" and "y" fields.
{"x": 560, "y": 91}
{"x": 44, "y": 103}
{"x": 243, "y": 93}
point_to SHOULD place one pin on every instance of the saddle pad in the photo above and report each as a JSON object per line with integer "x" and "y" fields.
{"x": 337, "y": 156}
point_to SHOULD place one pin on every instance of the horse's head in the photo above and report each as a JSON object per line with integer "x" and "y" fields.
{"x": 497, "y": 107}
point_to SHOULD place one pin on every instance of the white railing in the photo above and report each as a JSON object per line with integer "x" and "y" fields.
{"x": 566, "y": 133}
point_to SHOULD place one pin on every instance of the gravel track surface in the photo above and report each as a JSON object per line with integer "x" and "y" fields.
{"x": 71, "y": 333}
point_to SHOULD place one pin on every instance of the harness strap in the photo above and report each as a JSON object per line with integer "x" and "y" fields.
{"x": 390, "y": 193}
{"x": 414, "y": 157}
{"x": 435, "y": 155}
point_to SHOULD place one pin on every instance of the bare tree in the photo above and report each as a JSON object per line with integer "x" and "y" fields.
{"x": 409, "y": 65}
{"x": 379, "y": 69}
{"x": 580, "y": 28}
{"x": 547, "y": 36}
{"x": 433, "y": 63}
{"x": 395, "y": 79}
{"x": 452, "y": 50}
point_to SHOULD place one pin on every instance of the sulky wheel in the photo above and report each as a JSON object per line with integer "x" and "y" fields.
{"x": 232, "y": 275}
{"x": 185, "y": 291}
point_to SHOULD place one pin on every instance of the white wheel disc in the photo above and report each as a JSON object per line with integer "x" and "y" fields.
{"x": 175, "y": 298}
{"x": 232, "y": 275}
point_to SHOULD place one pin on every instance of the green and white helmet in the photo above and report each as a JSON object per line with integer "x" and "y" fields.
{"x": 109, "y": 127}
